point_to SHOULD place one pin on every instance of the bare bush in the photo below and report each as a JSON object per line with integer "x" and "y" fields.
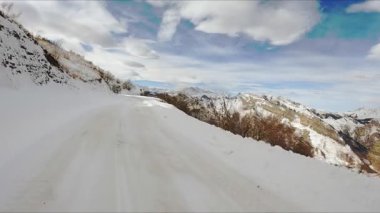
{"x": 107, "y": 76}
{"x": 178, "y": 101}
{"x": 127, "y": 85}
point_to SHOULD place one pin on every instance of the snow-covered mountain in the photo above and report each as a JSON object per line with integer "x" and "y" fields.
{"x": 67, "y": 143}
{"x": 194, "y": 92}
{"x": 339, "y": 139}
{"x": 364, "y": 113}
{"x": 328, "y": 144}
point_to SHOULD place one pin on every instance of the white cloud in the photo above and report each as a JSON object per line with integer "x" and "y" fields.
{"x": 170, "y": 20}
{"x": 114, "y": 62}
{"x": 134, "y": 64}
{"x": 70, "y": 21}
{"x": 278, "y": 22}
{"x": 158, "y": 3}
{"x": 374, "y": 52}
{"x": 139, "y": 48}
{"x": 318, "y": 81}
{"x": 367, "y": 6}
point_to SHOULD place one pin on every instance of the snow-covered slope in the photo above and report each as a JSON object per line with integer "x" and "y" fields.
{"x": 25, "y": 60}
{"x": 77, "y": 67}
{"x": 364, "y": 113}
{"x": 67, "y": 150}
{"x": 328, "y": 144}
{"x": 338, "y": 139}
{"x": 22, "y": 60}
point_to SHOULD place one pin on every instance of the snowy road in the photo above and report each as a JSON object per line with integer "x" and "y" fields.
{"x": 138, "y": 154}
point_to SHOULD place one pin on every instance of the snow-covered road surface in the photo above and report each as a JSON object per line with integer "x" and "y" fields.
{"x": 74, "y": 152}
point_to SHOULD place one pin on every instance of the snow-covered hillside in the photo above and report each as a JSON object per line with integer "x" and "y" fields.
{"x": 22, "y": 60}
{"x": 338, "y": 139}
{"x": 25, "y": 60}
{"x": 328, "y": 144}
{"x": 85, "y": 71}
{"x": 64, "y": 150}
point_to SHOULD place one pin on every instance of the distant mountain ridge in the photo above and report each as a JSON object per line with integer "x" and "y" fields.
{"x": 364, "y": 113}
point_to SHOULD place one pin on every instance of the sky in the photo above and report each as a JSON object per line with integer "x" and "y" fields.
{"x": 324, "y": 54}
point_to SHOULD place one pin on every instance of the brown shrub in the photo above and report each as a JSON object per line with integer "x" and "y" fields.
{"x": 127, "y": 85}
{"x": 178, "y": 101}
{"x": 107, "y": 77}
{"x": 374, "y": 156}
{"x": 269, "y": 129}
